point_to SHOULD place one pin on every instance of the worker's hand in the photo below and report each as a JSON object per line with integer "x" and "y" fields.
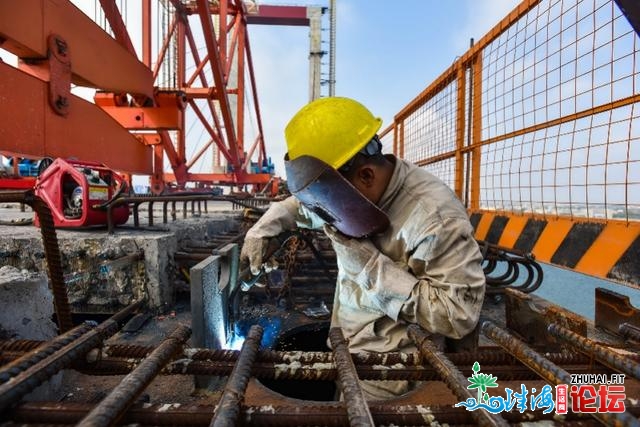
{"x": 353, "y": 253}
{"x": 386, "y": 283}
{"x": 253, "y": 251}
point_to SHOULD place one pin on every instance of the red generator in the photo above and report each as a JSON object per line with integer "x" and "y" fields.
{"x": 78, "y": 193}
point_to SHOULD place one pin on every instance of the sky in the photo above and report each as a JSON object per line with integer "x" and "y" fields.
{"x": 386, "y": 54}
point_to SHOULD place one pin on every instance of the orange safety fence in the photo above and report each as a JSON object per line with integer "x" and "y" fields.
{"x": 537, "y": 129}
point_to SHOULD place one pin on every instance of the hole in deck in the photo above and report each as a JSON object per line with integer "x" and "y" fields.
{"x": 304, "y": 338}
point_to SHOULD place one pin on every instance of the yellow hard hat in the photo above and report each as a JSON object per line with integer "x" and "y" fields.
{"x": 330, "y": 129}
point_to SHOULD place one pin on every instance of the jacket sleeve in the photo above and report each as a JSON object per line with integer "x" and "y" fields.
{"x": 448, "y": 296}
{"x": 283, "y": 216}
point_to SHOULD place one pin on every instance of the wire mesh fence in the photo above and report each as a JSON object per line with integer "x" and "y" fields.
{"x": 548, "y": 103}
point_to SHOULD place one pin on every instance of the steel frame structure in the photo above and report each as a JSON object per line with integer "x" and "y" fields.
{"x": 57, "y": 46}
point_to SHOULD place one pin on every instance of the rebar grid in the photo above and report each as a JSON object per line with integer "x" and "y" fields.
{"x": 112, "y": 407}
{"x": 450, "y": 374}
{"x": 547, "y": 370}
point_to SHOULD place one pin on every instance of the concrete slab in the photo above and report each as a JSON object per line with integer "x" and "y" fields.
{"x": 106, "y": 272}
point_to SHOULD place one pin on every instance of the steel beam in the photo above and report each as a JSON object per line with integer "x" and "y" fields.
{"x": 30, "y": 127}
{"x": 26, "y": 25}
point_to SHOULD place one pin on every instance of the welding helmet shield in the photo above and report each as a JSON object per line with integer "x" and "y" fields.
{"x": 324, "y": 191}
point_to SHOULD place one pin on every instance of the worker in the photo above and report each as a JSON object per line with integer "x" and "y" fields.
{"x": 405, "y": 248}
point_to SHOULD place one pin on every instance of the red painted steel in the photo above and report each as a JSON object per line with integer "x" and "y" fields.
{"x": 216, "y": 81}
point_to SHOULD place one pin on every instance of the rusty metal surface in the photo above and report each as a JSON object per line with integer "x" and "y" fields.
{"x": 29, "y": 379}
{"x": 596, "y": 350}
{"x": 51, "y": 251}
{"x": 355, "y": 402}
{"x": 629, "y": 331}
{"x": 547, "y": 370}
{"x": 109, "y": 411}
{"x": 228, "y": 408}
{"x": 326, "y": 414}
{"x": 529, "y": 316}
{"x": 45, "y": 349}
{"x": 450, "y": 374}
{"x": 614, "y": 309}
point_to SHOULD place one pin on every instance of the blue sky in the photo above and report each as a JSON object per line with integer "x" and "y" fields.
{"x": 387, "y": 52}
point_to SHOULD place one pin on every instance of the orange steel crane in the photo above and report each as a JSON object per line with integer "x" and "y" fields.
{"x": 137, "y": 123}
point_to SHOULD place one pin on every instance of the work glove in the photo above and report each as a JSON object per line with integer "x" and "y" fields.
{"x": 278, "y": 218}
{"x": 253, "y": 251}
{"x": 387, "y": 284}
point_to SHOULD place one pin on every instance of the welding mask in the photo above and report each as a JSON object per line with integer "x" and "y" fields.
{"x": 328, "y": 194}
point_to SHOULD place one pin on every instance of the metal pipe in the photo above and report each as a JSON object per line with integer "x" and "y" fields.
{"x": 228, "y": 408}
{"x": 355, "y": 402}
{"x": 450, "y": 374}
{"x": 112, "y": 407}
{"x": 547, "y": 370}
{"x": 12, "y": 391}
{"x": 45, "y": 349}
{"x": 592, "y": 348}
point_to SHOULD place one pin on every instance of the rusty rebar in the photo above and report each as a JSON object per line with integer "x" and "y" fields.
{"x": 228, "y": 408}
{"x": 45, "y": 349}
{"x": 112, "y": 407}
{"x": 600, "y": 352}
{"x": 29, "y": 379}
{"x": 278, "y": 414}
{"x": 450, "y": 375}
{"x": 136, "y": 201}
{"x": 51, "y": 253}
{"x": 546, "y": 369}
{"x": 312, "y": 372}
{"x": 355, "y": 402}
{"x": 486, "y": 355}
{"x": 628, "y": 330}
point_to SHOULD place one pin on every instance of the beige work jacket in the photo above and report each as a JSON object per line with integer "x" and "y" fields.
{"x": 431, "y": 238}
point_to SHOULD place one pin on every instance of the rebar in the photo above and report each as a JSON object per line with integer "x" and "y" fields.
{"x": 45, "y": 349}
{"x": 600, "y": 352}
{"x": 629, "y": 331}
{"x": 51, "y": 253}
{"x": 355, "y": 402}
{"x": 450, "y": 374}
{"x": 278, "y": 414}
{"x": 112, "y": 407}
{"x": 228, "y": 408}
{"x": 29, "y": 379}
{"x": 313, "y": 371}
{"x": 547, "y": 370}
{"x": 136, "y": 201}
